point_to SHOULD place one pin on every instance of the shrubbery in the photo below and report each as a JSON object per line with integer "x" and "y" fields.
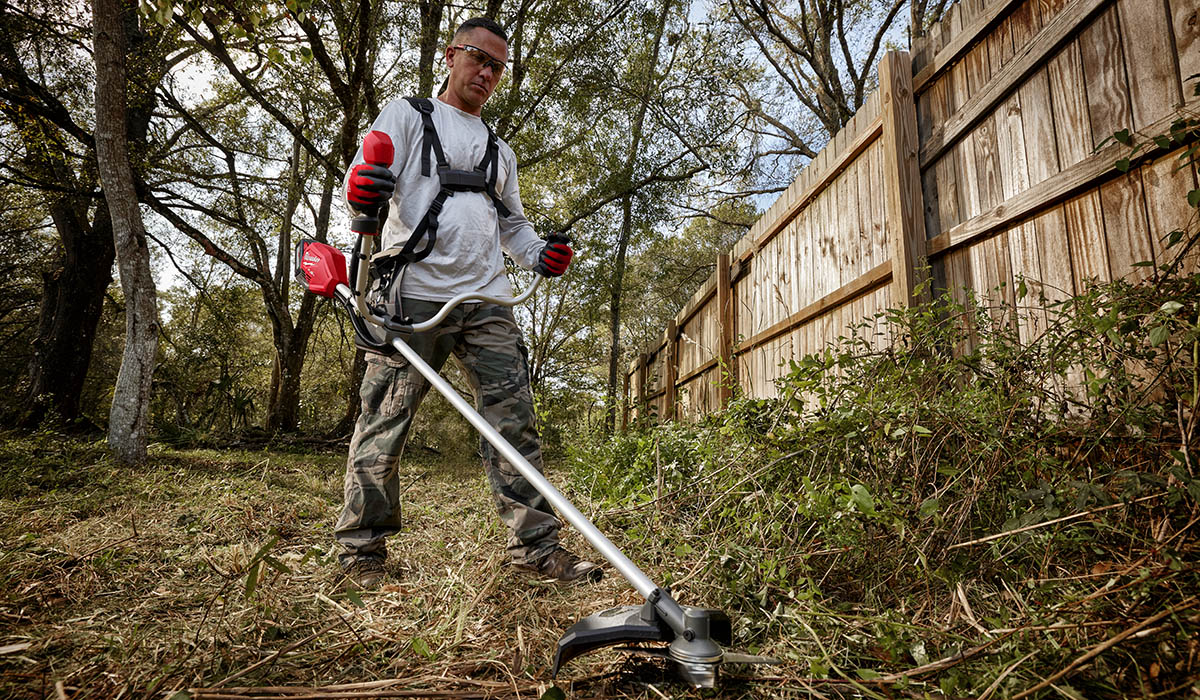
{"x": 836, "y": 518}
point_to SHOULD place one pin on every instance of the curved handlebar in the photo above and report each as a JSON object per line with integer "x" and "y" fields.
{"x": 356, "y": 298}
{"x": 437, "y": 318}
{"x": 472, "y": 296}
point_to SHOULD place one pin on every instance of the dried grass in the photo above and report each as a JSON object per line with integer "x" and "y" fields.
{"x": 124, "y": 583}
{"x": 131, "y": 583}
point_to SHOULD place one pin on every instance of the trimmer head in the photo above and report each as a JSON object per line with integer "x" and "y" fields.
{"x": 697, "y": 653}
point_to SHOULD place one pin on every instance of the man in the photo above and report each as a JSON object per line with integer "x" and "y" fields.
{"x": 453, "y": 184}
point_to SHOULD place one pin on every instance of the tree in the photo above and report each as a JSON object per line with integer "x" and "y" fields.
{"x": 667, "y": 136}
{"x": 129, "y": 417}
{"x": 46, "y": 78}
{"x": 314, "y": 86}
{"x": 822, "y": 56}
{"x": 45, "y": 164}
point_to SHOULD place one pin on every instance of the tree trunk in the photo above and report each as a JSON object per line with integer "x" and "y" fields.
{"x": 431, "y": 25}
{"x": 617, "y": 283}
{"x": 72, "y": 303}
{"x": 353, "y": 402}
{"x": 614, "y": 311}
{"x": 129, "y": 417}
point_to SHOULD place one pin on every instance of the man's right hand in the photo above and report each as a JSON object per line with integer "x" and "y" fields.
{"x": 370, "y": 185}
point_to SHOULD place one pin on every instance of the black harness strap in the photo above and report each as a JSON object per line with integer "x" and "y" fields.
{"x": 388, "y": 267}
{"x": 481, "y": 179}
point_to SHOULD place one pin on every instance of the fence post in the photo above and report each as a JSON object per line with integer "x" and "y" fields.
{"x": 643, "y": 371}
{"x": 725, "y": 315}
{"x": 626, "y": 400}
{"x": 671, "y": 371}
{"x": 902, "y": 179}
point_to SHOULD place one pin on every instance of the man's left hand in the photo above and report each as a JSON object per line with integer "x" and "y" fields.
{"x": 555, "y": 257}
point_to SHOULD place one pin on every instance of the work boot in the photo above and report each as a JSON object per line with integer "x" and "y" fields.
{"x": 363, "y": 574}
{"x": 565, "y": 566}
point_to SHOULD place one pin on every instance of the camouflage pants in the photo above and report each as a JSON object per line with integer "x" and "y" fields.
{"x": 486, "y": 342}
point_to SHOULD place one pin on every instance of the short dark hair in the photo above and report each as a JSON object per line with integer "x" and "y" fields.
{"x": 483, "y": 23}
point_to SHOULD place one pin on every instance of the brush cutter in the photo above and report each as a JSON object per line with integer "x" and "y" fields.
{"x": 694, "y": 637}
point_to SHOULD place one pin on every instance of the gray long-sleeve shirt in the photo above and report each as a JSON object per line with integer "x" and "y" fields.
{"x": 471, "y": 234}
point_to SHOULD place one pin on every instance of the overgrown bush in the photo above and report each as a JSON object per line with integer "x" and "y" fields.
{"x": 894, "y": 506}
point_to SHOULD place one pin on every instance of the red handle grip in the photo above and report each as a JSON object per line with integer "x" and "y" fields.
{"x": 378, "y": 149}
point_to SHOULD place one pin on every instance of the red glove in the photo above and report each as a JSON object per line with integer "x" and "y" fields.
{"x": 555, "y": 257}
{"x": 370, "y": 185}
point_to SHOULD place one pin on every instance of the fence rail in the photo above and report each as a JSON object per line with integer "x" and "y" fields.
{"x": 976, "y": 160}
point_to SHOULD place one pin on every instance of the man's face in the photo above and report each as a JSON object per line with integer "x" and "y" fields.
{"x": 474, "y": 74}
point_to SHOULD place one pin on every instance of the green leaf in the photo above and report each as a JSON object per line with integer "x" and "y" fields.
{"x": 252, "y": 578}
{"x": 818, "y": 669}
{"x": 930, "y": 507}
{"x": 421, "y": 647}
{"x": 1123, "y": 165}
{"x": 922, "y": 430}
{"x": 919, "y": 654}
{"x": 1170, "y": 308}
{"x": 1022, "y": 290}
{"x": 1162, "y": 142}
{"x": 277, "y": 565}
{"x": 355, "y": 599}
{"x": 1123, "y": 136}
{"x": 1194, "y": 198}
{"x": 867, "y": 674}
{"x": 181, "y": 695}
{"x": 862, "y": 499}
{"x": 1158, "y": 336}
{"x": 553, "y": 693}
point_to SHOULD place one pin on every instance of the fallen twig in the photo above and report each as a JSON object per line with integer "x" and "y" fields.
{"x": 1004, "y": 674}
{"x": 279, "y": 653}
{"x": 1110, "y": 643}
{"x": 110, "y": 545}
{"x": 945, "y": 663}
{"x": 1065, "y": 518}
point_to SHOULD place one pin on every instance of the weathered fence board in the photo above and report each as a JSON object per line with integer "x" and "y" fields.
{"x": 976, "y": 160}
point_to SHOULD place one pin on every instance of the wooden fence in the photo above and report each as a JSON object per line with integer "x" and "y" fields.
{"x": 975, "y": 159}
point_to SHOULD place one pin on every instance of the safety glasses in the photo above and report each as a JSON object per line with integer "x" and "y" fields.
{"x": 481, "y": 58}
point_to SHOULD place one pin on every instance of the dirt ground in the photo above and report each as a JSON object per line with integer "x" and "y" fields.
{"x": 211, "y": 574}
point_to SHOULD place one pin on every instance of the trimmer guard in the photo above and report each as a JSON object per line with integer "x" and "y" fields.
{"x": 640, "y": 623}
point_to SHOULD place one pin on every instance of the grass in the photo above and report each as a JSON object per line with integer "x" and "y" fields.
{"x": 964, "y": 513}
{"x": 133, "y": 583}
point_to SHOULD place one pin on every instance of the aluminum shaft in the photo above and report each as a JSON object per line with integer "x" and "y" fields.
{"x": 607, "y": 549}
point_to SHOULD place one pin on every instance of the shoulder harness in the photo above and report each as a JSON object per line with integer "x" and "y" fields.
{"x": 481, "y": 179}
{"x": 388, "y": 266}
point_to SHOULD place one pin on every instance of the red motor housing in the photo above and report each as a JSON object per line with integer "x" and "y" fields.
{"x": 320, "y": 267}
